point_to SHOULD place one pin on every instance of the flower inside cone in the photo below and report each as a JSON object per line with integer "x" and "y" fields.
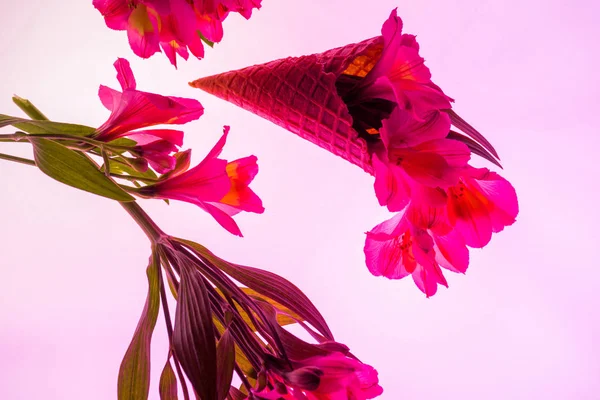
{"x": 420, "y": 151}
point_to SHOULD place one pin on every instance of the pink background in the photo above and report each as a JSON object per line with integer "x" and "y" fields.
{"x": 522, "y": 324}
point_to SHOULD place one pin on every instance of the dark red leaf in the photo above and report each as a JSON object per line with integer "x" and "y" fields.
{"x": 236, "y": 394}
{"x": 225, "y": 363}
{"x": 475, "y": 147}
{"x": 464, "y": 126}
{"x": 268, "y": 284}
{"x": 193, "y": 334}
{"x": 295, "y": 348}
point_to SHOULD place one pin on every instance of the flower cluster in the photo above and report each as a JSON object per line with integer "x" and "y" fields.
{"x": 221, "y": 328}
{"x": 374, "y": 104}
{"x": 175, "y": 26}
{"x": 215, "y": 185}
{"x": 422, "y": 168}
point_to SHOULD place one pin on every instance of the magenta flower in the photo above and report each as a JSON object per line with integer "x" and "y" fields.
{"x": 140, "y": 18}
{"x": 218, "y": 187}
{"x": 374, "y": 104}
{"x": 159, "y": 153}
{"x": 416, "y": 157}
{"x": 133, "y": 109}
{"x": 400, "y": 75}
{"x": 173, "y": 25}
{"x": 332, "y": 376}
{"x": 481, "y": 203}
{"x": 399, "y": 247}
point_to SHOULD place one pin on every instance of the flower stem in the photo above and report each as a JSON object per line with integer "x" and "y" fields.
{"x": 20, "y": 160}
{"x": 154, "y": 233}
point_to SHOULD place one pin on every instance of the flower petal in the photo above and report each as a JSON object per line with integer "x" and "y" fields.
{"x": 391, "y": 185}
{"x": 451, "y": 252}
{"x": 124, "y": 74}
{"x": 142, "y": 31}
{"x": 115, "y": 13}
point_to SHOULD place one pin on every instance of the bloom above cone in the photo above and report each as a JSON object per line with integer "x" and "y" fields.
{"x": 300, "y": 95}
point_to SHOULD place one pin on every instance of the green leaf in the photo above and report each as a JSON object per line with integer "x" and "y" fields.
{"x": 225, "y": 364}
{"x": 167, "y": 386}
{"x": 74, "y": 169}
{"x": 134, "y": 374}
{"x": 35, "y": 127}
{"x": 28, "y": 108}
{"x": 205, "y": 40}
{"x": 6, "y": 120}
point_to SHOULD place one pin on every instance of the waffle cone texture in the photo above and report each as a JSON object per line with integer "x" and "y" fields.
{"x": 299, "y": 94}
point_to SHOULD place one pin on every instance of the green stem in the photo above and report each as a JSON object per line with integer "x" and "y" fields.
{"x": 154, "y": 233}
{"x": 20, "y": 160}
{"x": 133, "y": 178}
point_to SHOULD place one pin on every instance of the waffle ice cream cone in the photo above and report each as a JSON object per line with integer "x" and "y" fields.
{"x": 299, "y": 94}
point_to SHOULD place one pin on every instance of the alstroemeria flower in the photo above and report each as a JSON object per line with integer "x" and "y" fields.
{"x": 332, "y": 376}
{"x": 481, "y": 203}
{"x": 173, "y": 25}
{"x": 399, "y": 76}
{"x": 157, "y": 152}
{"x": 140, "y": 18}
{"x": 415, "y": 155}
{"x": 397, "y": 248}
{"x": 133, "y": 109}
{"x": 218, "y": 187}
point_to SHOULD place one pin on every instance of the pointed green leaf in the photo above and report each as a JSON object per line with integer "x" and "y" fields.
{"x": 134, "y": 374}
{"x": 37, "y": 127}
{"x": 193, "y": 334}
{"x": 167, "y": 387}
{"x": 28, "y": 108}
{"x": 225, "y": 364}
{"x": 74, "y": 169}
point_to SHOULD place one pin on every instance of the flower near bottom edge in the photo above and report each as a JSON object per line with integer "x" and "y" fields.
{"x": 218, "y": 187}
{"x": 334, "y": 376}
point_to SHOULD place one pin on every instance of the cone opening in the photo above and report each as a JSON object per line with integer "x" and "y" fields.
{"x": 361, "y": 65}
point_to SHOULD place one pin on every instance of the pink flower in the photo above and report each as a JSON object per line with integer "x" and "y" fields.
{"x": 416, "y": 157}
{"x": 157, "y": 152}
{"x": 133, "y": 109}
{"x": 173, "y": 25}
{"x": 416, "y": 242}
{"x": 140, "y": 18}
{"x": 481, "y": 203}
{"x": 333, "y": 376}
{"x": 401, "y": 76}
{"x": 218, "y": 187}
